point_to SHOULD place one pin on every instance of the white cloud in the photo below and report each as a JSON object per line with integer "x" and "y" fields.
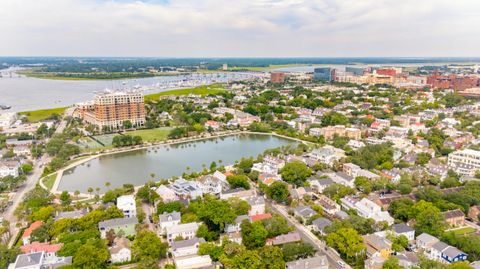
{"x": 215, "y": 28}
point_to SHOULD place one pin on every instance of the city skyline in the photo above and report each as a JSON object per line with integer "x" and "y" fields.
{"x": 290, "y": 28}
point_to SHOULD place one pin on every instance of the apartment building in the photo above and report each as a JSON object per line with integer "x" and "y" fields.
{"x": 464, "y": 162}
{"x": 111, "y": 109}
{"x": 330, "y": 131}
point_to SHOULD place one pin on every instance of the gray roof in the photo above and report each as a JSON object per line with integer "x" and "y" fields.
{"x": 309, "y": 263}
{"x": 325, "y": 181}
{"x": 241, "y": 218}
{"x": 59, "y": 263}
{"x": 452, "y": 252}
{"x": 440, "y": 246}
{"x": 187, "y": 243}
{"x": 174, "y": 216}
{"x": 402, "y": 228}
{"x": 342, "y": 215}
{"x": 117, "y": 222}
{"x": 255, "y": 200}
{"x": 321, "y": 223}
{"x": 427, "y": 238}
{"x": 31, "y": 259}
{"x": 304, "y": 211}
{"x": 75, "y": 214}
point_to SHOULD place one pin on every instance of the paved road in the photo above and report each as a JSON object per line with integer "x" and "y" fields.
{"x": 29, "y": 184}
{"x": 332, "y": 257}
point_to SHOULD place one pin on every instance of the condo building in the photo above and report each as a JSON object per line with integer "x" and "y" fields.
{"x": 464, "y": 162}
{"x": 111, "y": 109}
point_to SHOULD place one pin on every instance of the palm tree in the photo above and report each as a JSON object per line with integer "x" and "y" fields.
{"x": 152, "y": 175}
{"x": 90, "y": 190}
{"x": 77, "y": 192}
{"x": 107, "y": 184}
{"x": 97, "y": 189}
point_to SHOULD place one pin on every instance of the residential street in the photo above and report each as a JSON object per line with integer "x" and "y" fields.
{"x": 307, "y": 235}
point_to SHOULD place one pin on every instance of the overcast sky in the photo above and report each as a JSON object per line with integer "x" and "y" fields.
{"x": 240, "y": 28}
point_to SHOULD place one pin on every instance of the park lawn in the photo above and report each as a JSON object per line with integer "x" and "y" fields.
{"x": 49, "y": 180}
{"x": 42, "y": 114}
{"x": 200, "y": 90}
{"x": 464, "y": 230}
{"x": 151, "y": 135}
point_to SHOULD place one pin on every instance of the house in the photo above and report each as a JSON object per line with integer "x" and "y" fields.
{"x": 186, "y": 247}
{"x": 186, "y": 189}
{"x": 9, "y": 168}
{"x": 443, "y": 252}
{"x": 237, "y": 192}
{"x": 403, "y": 229}
{"x": 194, "y": 262}
{"x": 375, "y": 262}
{"x": 367, "y": 209}
{"x": 37, "y": 260}
{"x": 328, "y": 205}
{"x": 343, "y": 179}
{"x": 167, "y": 194}
{"x": 304, "y": 212}
{"x": 377, "y": 244}
{"x": 474, "y": 213}
{"x": 21, "y": 150}
{"x": 75, "y": 214}
{"x": 235, "y": 226}
{"x": 185, "y": 231}
{"x": 455, "y": 217}
{"x": 268, "y": 179}
{"x": 120, "y": 252}
{"x": 320, "y": 184}
{"x": 257, "y": 204}
{"x": 211, "y": 124}
{"x": 327, "y": 154}
{"x": 259, "y": 217}
{"x": 26, "y": 234}
{"x": 317, "y": 262}
{"x": 297, "y": 193}
{"x": 127, "y": 204}
{"x": 426, "y": 241}
{"x": 284, "y": 239}
{"x": 319, "y": 225}
{"x": 213, "y": 184}
{"x": 407, "y": 259}
{"x": 49, "y": 250}
{"x": 168, "y": 220}
{"x": 126, "y": 225}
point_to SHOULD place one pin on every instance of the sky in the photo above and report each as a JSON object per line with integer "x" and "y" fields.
{"x": 240, "y": 28}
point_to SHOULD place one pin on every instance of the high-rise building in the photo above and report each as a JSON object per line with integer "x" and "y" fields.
{"x": 324, "y": 74}
{"x": 277, "y": 77}
{"x": 112, "y": 109}
{"x": 357, "y": 71}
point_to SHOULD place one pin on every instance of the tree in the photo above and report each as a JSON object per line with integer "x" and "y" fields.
{"x": 276, "y": 225}
{"x": 334, "y": 118}
{"x": 239, "y": 206}
{"x": 254, "y": 234}
{"x": 295, "y": 172}
{"x": 399, "y": 243}
{"x": 247, "y": 259}
{"x": 348, "y": 243}
{"x": 237, "y": 181}
{"x": 127, "y": 124}
{"x": 8, "y": 255}
{"x": 148, "y": 245}
{"x": 92, "y": 254}
{"x": 245, "y": 165}
{"x": 373, "y": 156}
{"x": 26, "y": 168}
{"x": 423, "y": 158}
{"x": 65, "y": 198}
{"x": 401, "y": 209}
{"x": 297, "y": 250}
{"x": 215, "y": 213}
{"x": 363, "y": 184}
{"x": 271, "y": 257}
{"x": 429, "y": 219}
{"x": 206, "y": 234}
{"x": 278, "y": 191}
{"x": 149, "y": 263}
{"x": 210, "y": 249}
{"x": 391, "y": 263}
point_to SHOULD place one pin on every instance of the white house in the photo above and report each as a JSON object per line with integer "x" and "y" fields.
{"x": 120, "y": 251}
{"x": 186, "y": 189}
{"x": 404, "y": 229}
{"x": 167, "y": 194}
{"x": 367, "y": 209}
{"x": 167, "y": 220}
{"x": 193, "y": 262}
{"x": 257, "y": 204}
{"x": 186, "y": 231}
{"x": 186, "y": 247}
{"x": 213, "y": 184}
{"x": 127, "y": 204}
{"x": 9, "y": 168}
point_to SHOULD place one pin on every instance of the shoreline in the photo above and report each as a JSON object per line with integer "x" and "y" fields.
{"x": 60, "y": 172}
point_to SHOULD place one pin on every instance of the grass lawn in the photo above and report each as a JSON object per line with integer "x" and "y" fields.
{"x": 49, "y": 181}
{"x": 464, "y": 230}
{"x": 42, "y": 114}
{"x": 201, "y": 90}
{"x": 151, "y": 135}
